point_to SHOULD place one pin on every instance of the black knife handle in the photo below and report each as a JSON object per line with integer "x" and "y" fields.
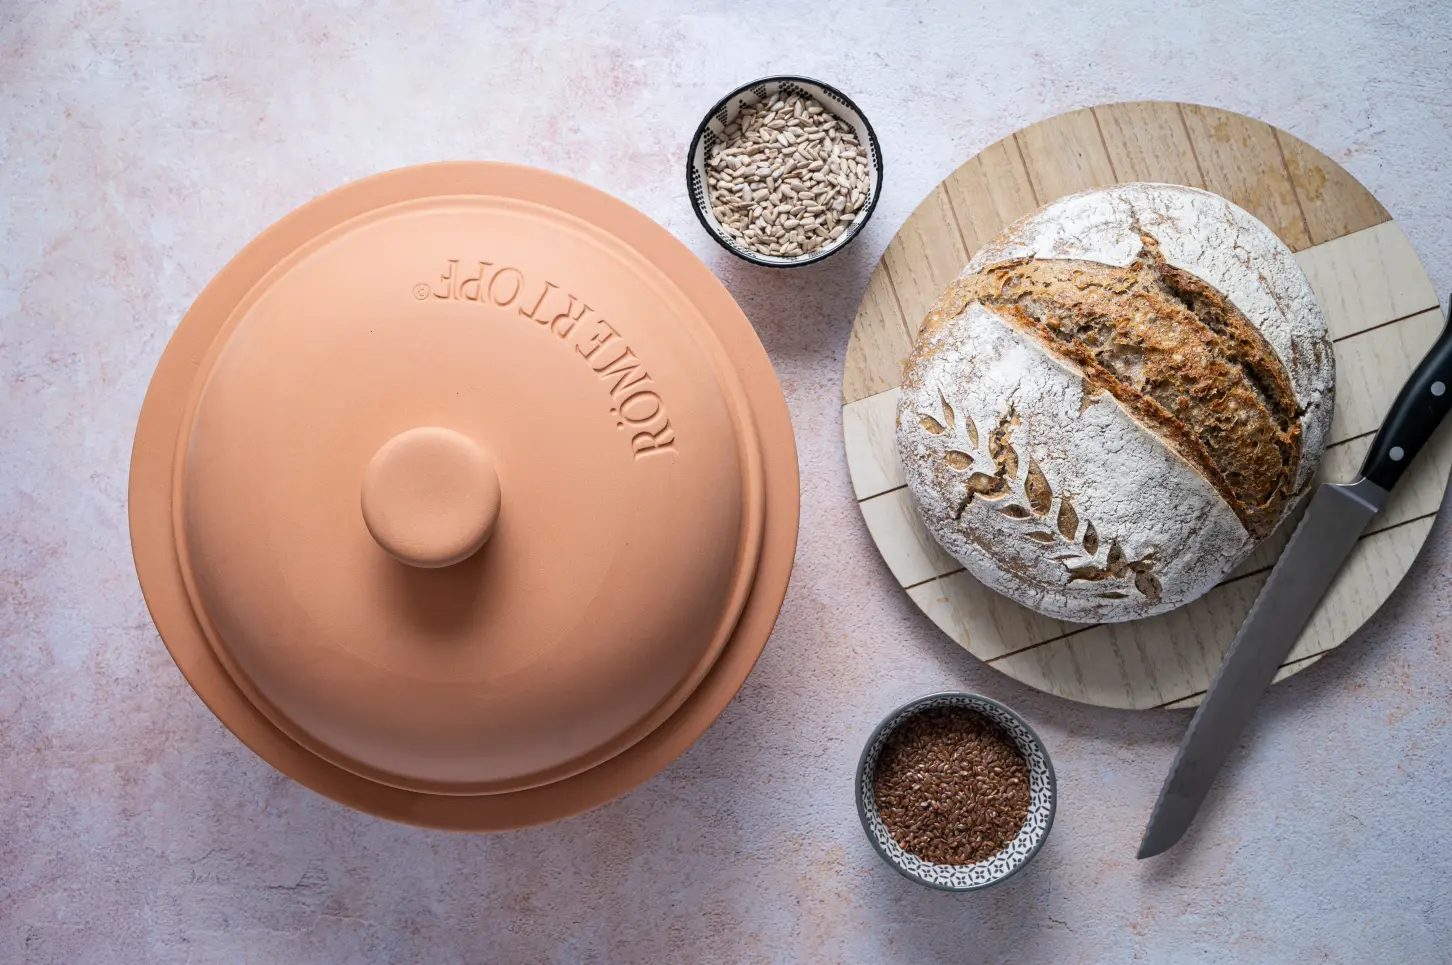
{"x": 1414, "y": 416}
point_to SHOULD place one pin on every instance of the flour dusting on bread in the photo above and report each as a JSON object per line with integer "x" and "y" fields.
{"x": 1116, "y": 401}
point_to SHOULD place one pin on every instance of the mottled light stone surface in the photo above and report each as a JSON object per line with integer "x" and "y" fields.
{"x": 141, "y": 144}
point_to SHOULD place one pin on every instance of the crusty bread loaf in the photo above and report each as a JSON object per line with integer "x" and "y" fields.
{"x": 1116, "y": 401}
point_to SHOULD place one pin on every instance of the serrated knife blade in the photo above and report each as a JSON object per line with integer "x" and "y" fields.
{"x": 1335, "y": 519}
{"x": 1326, "y": 535}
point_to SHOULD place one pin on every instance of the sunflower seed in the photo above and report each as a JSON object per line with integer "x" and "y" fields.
{"x": 785, "y": 175}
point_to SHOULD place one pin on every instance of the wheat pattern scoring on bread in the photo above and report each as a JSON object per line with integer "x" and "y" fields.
{"x": 1116, "y": 400}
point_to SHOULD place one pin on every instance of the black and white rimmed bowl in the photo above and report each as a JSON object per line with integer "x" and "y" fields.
{"x": 760, "y": 91}
{"x": 1043, "y": 796}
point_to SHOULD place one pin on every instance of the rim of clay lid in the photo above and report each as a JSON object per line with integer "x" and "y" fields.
{"x": 465, "y": 495}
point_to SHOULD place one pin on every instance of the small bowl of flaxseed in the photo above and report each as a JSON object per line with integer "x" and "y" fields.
{"x": 784, "y": 171}
{"x": 955, "y": 791}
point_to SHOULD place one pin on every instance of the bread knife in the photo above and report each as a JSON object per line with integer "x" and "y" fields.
{"x": 1335, "y": 519}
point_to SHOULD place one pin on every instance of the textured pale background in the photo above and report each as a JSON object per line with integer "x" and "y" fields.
{"x": 142, "y": 144}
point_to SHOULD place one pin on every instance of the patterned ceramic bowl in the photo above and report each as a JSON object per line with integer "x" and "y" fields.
{"x": 756, "y": 92}
{"x": 1043, "y": 795}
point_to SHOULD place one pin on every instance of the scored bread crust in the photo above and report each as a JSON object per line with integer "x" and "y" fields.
{"x": 1176, "y": 353}
{"x": 1117, "y": 399}
{"x": 1212, "y": 239}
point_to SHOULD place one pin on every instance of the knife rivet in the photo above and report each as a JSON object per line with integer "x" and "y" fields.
{"x": 1438, "y": 388}
{"x": 1396, "y": 453}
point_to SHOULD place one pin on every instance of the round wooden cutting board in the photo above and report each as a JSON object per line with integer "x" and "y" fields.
{"x": 1381, "y": 309}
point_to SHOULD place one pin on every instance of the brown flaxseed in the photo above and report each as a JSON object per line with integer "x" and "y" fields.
{"x": 951, "y": 786}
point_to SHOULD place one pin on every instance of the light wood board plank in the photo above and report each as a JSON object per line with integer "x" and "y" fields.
{"x": 1241, "y": 159}
{"x": 1371, "y": 367}
{"x": 869, "y": 428}
{"x": 1065, "y": 154}
{"x": 879, "y": 342}
{"x": 1129, "y": 665}
{"x": 926, "y": 254}
{"x": 983, "y": 622}
{"x": 907, "y": 547}
{"x": 1367, "y": 279}
{"x": 1373, "y": 571}
{"x": 1149, "y": 142}
{"x": 1331, "y": 199}
{"x": 1286, "y": 670}
{"x": 990, "y": 191}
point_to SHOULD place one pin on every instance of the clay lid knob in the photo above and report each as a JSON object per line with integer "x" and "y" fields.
{"x": 430, "y": 497}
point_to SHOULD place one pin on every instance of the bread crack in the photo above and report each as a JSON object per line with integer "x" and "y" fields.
{"x": 1174, "y": 351}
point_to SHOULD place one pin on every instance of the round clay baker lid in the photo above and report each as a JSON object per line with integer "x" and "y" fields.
{"x": 465, "y": 495}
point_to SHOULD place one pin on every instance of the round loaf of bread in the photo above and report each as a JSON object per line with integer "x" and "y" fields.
{"x": 1116, "y": 401}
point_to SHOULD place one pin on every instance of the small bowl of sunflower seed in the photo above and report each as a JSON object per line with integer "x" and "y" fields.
{"x": 784, "y": 171}
{"x": 955, "y": 791}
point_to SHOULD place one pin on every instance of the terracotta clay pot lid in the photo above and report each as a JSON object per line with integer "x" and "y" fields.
{"x": 465, "y": 495}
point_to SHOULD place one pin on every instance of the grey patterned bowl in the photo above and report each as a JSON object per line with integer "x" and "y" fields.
{"x": 1043, "y": 796}
{"x": 756, "y": 92}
